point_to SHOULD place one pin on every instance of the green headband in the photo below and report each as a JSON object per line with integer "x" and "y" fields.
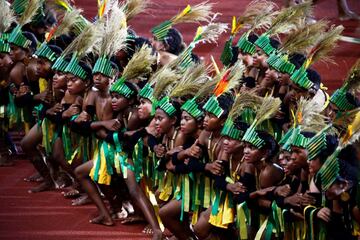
{"x": 329, "y": 171}
{"x": 74, "y": 68}
{"x": 263, "y": 42}
{"x": 160, "y": 31}
{"x": 147, "y": 92}
{"x": 45, "y": 52}
{"x": 227, "y": 54}
{"x": 19, "y": 6}
{"x": 339, "y": 99}
{"x": 245, "y": 45}
{"x": 231, "y": 131}
{"x": 280, "y": 63}
{"x": 296, "y": 139}
{"x": 317, "y": 143}
{"x": 17, "y": 38}
{"x": 4, "y": 46}
{"x": 5, "y": 36}
{"x": 103, "y": 66}
{"x": 191, "y": 107}
{"x": 251, "y": 136}
{"x": 121, "y": 88}
{"x": 300, "y": 78}
{"x": 60, "y": 64}
{"x": 165, "y": 105}
{"x": 212, "y": 106}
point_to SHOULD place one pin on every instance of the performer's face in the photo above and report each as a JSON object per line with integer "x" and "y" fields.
{"x": 101, "y": 82}
{"x": 252, "y": 154}
{"x": 188, "y": 124}
{"x": 232, "y": 146}
{"x": 59, "y": 80}
{"x": 43, "y": 67}
{"x": 212, "y": 123}
{"x": 314, "y": 166}
{"x": 299, "y": 157}
{"x": 5, "y": 62}
{"x": 75, "y": 85}
{"x": 118, "y": 102}
{"x": 17, "y": 54}
{"x": 163, "y": 123}
{"x": 144, "y": 109}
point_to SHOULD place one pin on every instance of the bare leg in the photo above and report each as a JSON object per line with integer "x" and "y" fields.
{"x": 170, "y": 216}
{"x": 203, "y": 228}
{"x": 143, "y": 203}
{"x": 82, "y": 174}
{"x": 29, "y": 145}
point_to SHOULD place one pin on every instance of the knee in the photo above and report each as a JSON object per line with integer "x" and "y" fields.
{"x": 134, "y": 191}
{"x": 25, "y": 145}
{"x": 200, "y": 231}
{"x": 79, "y": 173}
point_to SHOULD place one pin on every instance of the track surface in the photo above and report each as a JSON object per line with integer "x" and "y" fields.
{"x": 47, "y": 215}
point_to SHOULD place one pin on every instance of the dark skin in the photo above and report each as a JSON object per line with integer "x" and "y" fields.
{"x": 170, "y": 212}
{"x": 141, "y": 115}
{"x": 212, "y": 126}
{"x": 164, "y": 57}
{"x": 104, "y": 113}
{"x": 34, "y": 136}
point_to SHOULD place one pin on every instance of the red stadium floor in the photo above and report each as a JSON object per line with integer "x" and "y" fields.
{"x": 47, "y": 215}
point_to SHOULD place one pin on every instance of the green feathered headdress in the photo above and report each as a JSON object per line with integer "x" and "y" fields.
{"x": 16, "y": 37}
{"x": 284, "y": 22}
{"x": 249, "y": 17}
{"x": 267, "y": 110}
{"x": 351, "y": 84}
{"x": 138, "y": 66}
{"x": 114, "y": 36}
{"x": 204, "y": 34}
{"x": 325, "y": 43}
{"x": 229, "y": 79}
{"x": 197, "y": 13}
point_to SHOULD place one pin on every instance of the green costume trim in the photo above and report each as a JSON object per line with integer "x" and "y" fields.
{"x": 300, "y": 78}
{"x": 45, "y": 52}
{"x": 165, "y": 105}
{"x": 339, "y": 99}
{"x": 4, "y": 46}
{"x": 227, "y": 54}
{"x": 192, "y": 108}
{"x": 60, "y": 64}
{"x": 120, "y": 87}
{"x": 245, "y": 45}
{"x": 74, "y": 68}
{"x": 284, "y": 141}
{"x": 103, "y": 66}
{"x": 231, "y": 131}
{"x": 212, "y": 106}
{"x": 17, "y": 38}
{"x": 147, "y": 92}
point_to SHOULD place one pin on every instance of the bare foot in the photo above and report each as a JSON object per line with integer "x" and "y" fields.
{"x": 82, "y": 200}
{"x": 102, "y": 220}
{"x": 45, "y": 186}
{"x": 133, "y": 219}
{"x": 147, "y": 230}
{"x": 72, "y": 193}
{"x": 34, "y": 178}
